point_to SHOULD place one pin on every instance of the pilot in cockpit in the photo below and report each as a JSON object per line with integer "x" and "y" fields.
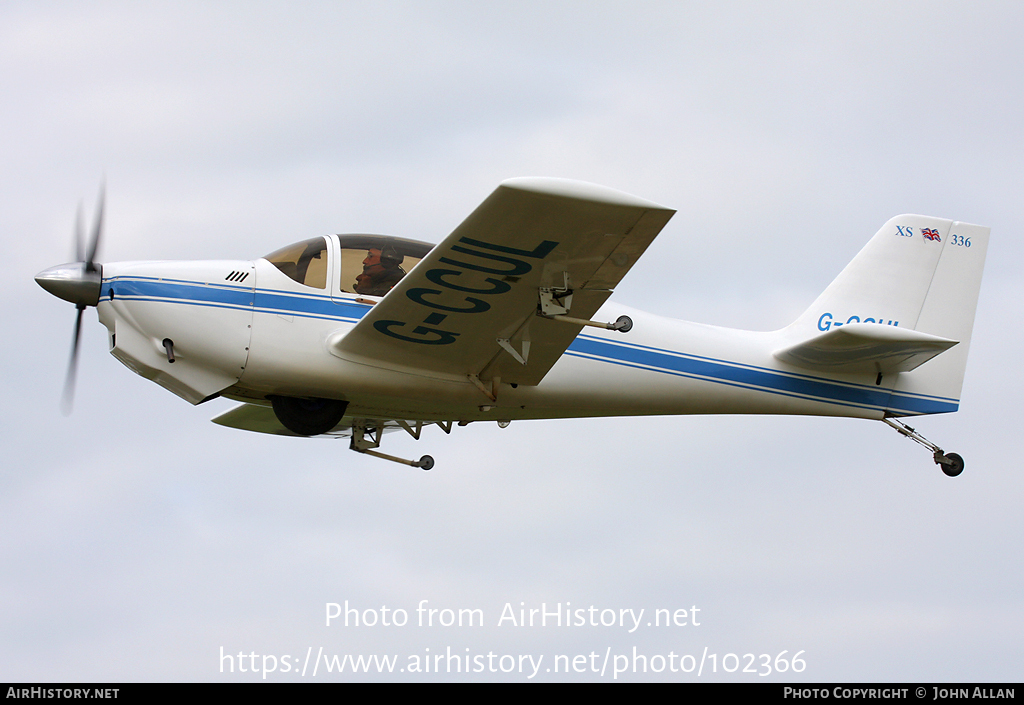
{"x": 381, "y": 271}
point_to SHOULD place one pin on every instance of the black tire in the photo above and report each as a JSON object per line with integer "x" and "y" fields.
{"x": 426, "y": 462}
{"x": 308, "y": 417}
{"x": 956, "y": 468}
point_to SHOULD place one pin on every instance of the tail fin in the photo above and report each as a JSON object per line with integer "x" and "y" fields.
{"x": 917, "y": 274}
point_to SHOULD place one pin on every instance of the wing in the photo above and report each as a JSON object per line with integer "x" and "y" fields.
{"x": 470, "y": 307}
{"x": 261, "y": 419}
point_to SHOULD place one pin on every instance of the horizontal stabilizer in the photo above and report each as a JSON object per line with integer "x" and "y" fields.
{"x": 866, "y": 347}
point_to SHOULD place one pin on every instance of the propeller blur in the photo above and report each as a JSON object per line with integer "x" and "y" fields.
{"x": 78, "y": 282}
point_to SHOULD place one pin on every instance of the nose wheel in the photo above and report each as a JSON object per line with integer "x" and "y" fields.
{"x": 950, "y": 463}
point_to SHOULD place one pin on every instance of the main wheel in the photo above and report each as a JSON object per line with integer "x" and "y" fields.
{"x": 308, "y": 417}
{"x": 426, "y": 462}
{"x": 956, "y": 467}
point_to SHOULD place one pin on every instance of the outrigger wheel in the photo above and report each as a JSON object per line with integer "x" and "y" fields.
{"x": 426, "y": 462}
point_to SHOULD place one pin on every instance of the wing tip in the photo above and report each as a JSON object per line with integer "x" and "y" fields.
{"x": 579, "y": 190}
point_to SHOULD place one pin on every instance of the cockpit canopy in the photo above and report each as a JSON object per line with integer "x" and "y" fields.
{"x": 370, "y": 264}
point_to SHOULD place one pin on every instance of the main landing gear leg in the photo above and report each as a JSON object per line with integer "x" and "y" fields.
{"x": 951, "y": 463}
{"x": 366, "y": 439}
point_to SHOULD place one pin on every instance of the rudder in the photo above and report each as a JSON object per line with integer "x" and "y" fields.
{"x": 948, "y": 311}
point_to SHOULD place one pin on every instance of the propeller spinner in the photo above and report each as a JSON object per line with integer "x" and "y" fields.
{"x": 79, "y": 283}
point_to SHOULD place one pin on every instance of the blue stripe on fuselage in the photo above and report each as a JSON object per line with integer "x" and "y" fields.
{"x": 178, "y": 292}
{"x": 262, "y": 300}
{"x": 757, "y": 378}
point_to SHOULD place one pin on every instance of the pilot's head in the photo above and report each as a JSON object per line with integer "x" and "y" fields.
{"x": 386, "y": 257}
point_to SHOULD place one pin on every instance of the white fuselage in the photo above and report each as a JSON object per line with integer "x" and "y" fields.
{"x": 244, "y": 330}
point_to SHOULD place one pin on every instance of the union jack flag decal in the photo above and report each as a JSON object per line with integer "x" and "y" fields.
{"x": 930, "y": 234}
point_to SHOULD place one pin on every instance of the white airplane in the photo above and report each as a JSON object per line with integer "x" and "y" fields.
{"x": 506, "y": 319}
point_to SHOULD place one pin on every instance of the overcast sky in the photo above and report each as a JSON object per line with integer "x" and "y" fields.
{"x": 138, "y": 540}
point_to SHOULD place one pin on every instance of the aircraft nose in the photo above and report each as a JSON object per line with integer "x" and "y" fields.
{"x": 75, "y": 282}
